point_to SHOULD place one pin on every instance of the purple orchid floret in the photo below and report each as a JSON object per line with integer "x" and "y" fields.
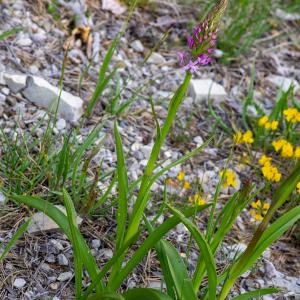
{"x": 181, "y": 58}
{"x": 210, "y": 50}
{"x": 203, "y": 59}
{"x": 191, "y": 66}
{"x": 190, "y": 42}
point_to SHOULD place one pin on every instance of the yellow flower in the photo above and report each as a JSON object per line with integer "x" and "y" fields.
{"x": 256, "y": 204}
{"x": 197, "y": 199}
{"x": 258, "y": 217}
{"x": 278, "y": 144}
{"x": 180, "y": 175}
{"x": 291, "y": 115}
{"x": 287, "y": 150}
{"x": 248, "y": 137}
{"x": 264, "y": 160}
{"x": 259, "y": 210}
{"x": 272, "y": 125}
{"x": 229, "y": 178}
{"x": 186, "y": 185}
{"x": 298, "y": 187}
{"x": 297, "y": 152}
{"x": 262, "y": 121}
{"x": 238, "y": 138}
{"x": 271, "y": 173}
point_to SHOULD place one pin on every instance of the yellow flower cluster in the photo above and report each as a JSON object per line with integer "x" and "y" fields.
{"x": 180, "y": 181}
{"x": 229, "y": 178}
{"x": 197, "y": 199}
{"x": 270, "y": 172}
{"x": 291, "y": 115}
{"x": 264, "y": 122}
{"x": 259, "y": 210}
{"x": 287, "y": 149}
{"x": 298, "y": 187}
{"x": 240, "y": 138}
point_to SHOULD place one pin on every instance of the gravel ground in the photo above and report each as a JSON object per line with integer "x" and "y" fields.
{"x": 40, "y": 266}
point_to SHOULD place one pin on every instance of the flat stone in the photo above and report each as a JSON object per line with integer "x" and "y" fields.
{"x": 201, "y": 89}
{"x": 156, "y": 59}
{"x": 5, "y": 91}
{"x": 137, "y": 46}
{"x": 41, "y": 222}
{"x": 115, "y": 6}
{"x": 62, "y": 260}
{"x": 283, "y": 82}
{"x": 65, "y": 276}
{"x": 19, "y": 283}
{"x": 42, "y": 93}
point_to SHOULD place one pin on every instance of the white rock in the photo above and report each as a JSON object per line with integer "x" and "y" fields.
{"x": 198, "y": 140}
{"x": 286, "y": 16}
{"x": 114, "y": 6}
{"x": 2, "y": 80}
{"x": 19, "y": 283}
{"x": 96, "y": 244}
{"x": 41, "y": 92}
{"x": 107, "y": 253}
{"x": 2, "y": 98}
{"x": 24, "y": 42}
{"x": 137, "y": 46}
{"x": 283, "y": 82}
{"x": 65, "y": 276}
{"x": 2, "y": 198}
{"x": 62, "y": 260}
{"x": 61, "y": 124}
{"x": 201, "y": 89}
{"x": 5, "y": 91}
{"x": 156, "y": 59}
{"x": 15, "y": 82}
{"x": 41, "y": 222}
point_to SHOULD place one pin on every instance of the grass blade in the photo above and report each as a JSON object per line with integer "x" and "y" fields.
{"x": 14, "y": 239}
{"x": 71, "y": 215}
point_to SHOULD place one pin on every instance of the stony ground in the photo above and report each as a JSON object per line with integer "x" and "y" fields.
{"x": 40, "y": 266}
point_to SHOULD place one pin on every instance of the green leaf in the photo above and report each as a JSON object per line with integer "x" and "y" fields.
{"x": 206, "y": 253}
{"x": 161, "y": 254}
{"x": 122, "y": 189}
{"x": 178, "y": 270}
{"x": 106, "y": 296}
{"x": 271, "y": 234}
{"x": 9, "y": 33}
{"x": 145, "y": 294}
{"x": 75, "y": 234}
{"x": 149, "y": 243}
{"x": 256, "y": 294}
{"x": 14, "y": 239}
{"x": 61, "y": 220}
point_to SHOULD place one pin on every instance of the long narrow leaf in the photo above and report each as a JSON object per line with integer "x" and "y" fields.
{"x": 14, "y": 239}
{"x": 206, "y": 253}
{"x": 256, "y": 294}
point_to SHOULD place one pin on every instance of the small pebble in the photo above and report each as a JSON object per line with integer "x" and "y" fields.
{"x": 65, "y": 276}
{"x": 62, "y": 260}
{"x": 19, "y": 283}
